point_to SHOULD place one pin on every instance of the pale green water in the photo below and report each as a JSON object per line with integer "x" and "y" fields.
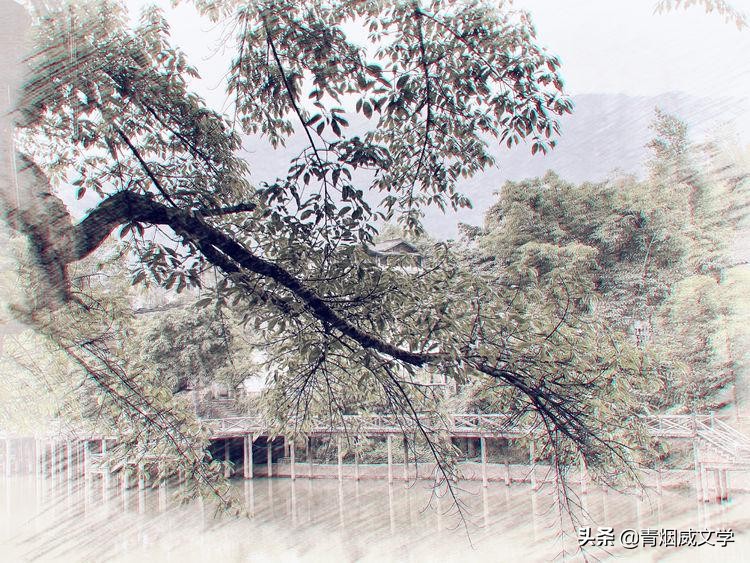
{"x": 322, "y": 520}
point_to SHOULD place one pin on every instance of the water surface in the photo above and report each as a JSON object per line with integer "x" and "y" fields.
{"x": 324, "y": 520}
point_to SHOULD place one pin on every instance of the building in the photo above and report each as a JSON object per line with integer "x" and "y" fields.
{"x": 397, "y": 252}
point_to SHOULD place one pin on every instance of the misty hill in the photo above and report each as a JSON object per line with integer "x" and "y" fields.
{"x": 605, "y": 133}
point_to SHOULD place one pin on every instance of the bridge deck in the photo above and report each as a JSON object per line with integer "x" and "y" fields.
{"x": 459, "y": 425}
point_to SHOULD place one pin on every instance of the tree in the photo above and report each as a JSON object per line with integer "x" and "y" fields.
{"x": 648, "y": 257}
{"x": 193, "y": 348}
{"x": 105, "y": 112}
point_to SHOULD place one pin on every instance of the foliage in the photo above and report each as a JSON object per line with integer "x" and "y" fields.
{"x": 106, "y": 112}
{"x": 645, "y": 256}
{"x": 191, "y": 347}
{"x": 79, "y": 360}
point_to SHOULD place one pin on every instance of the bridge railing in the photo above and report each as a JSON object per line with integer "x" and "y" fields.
{"x": 235, "y": 424}
{"x": 490, "y": 423}
{"x": 725, "y": 438}
{"x": 675, "y": 425}
{"x": 385, "y": 424}
{"x": 729, "y": 431}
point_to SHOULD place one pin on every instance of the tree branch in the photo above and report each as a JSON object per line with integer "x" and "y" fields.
{"x": 224, "y": 252}
{"x": 228, "y": 210}
{"x": 145, "y": 167}
{"x": 290, "y": 92}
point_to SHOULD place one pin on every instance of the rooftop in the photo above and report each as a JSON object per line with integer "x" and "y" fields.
{"x": 394, "y": 246}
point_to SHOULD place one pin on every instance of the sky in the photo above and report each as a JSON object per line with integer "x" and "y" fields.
{"x": 606, "y": 46}
{"x": 622, "y": 46}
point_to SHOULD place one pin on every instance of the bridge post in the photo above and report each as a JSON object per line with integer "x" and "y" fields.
{"x": 162, "y": 486}
{"x": 69, "y": 461}
{"x": 704, "y": 483}
{"x": 339, "y": 458}
{"x": 725, "y": 485}
{"x": 406, "y": 460}
{"x": 483, "y": 454}
{"x": 584, "y": 488}
{"x": 37, "y": 458}
{"x": 292, "y": 455}
{"x": 389, "y": 442}
{"x": 43, "y": 459}
{"x": 105, "y": 467}
{"x": 309, "y": 456}
{"x": 356, "y": 459}
{"x": 86, "y": 469}
{"x": 532, "y": 461}
{"x": 248, "y": 455}
{"x": 141, "y": 477}
{"x": 250, "y": 460}
{"x": 696, "y": 462}
{"x": 43, "y": 448}
{"x": 717, "y": 485}
{"x": 60, "y": 455}
{"x": 227, "y": 470}
{"x": 7, "y": 457}
{"x": 53, "y": 461}
{"x": 507, "y": 471}
{"x": 269, "y": 456}
{"x": 60, "y": 458}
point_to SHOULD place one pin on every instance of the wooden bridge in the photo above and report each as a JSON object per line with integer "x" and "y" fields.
{"x": 458, "y": 425}
{"x": 717, "y": 446}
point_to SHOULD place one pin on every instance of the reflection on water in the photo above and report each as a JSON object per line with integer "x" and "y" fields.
{"x": 86, "y": 520}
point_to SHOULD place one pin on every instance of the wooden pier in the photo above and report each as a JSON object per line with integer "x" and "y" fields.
{"x": 250, "y": 442}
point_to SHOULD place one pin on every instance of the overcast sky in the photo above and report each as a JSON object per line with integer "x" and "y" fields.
{"x": 618, "y": 46}
{"x": 606, "y": 46}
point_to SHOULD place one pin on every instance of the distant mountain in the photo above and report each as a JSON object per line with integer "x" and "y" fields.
{"x": 605, "y": 133}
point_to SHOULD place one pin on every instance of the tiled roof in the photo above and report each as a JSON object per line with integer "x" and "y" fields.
{"x": 397, "y": 245}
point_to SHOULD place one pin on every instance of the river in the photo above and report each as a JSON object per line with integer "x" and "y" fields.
{"x": 324, "y": 520}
